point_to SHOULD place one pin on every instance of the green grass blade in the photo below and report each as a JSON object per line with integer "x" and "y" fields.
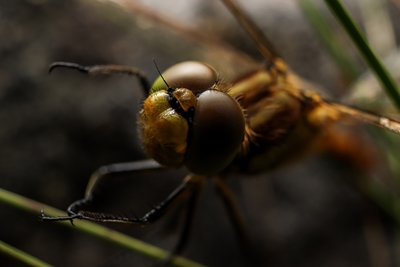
{"x": 369, "y": 56}
{"x": 21, "y": 256}
{"x": 107, "y": 234}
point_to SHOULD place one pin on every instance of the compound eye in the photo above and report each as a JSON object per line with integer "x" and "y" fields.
{"x": 217, "y": 133}
{"x": 194, "y": 75}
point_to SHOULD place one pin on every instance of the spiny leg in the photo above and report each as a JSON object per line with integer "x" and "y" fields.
{"x": 178, "y": 195}
{"x": 106, "y": 70}
{"x": 233, "y": 210}
{"x": 238, "y": 220}
{"x": 104, "y": 173}
{"x": 191, "y": 206}
{"x": 190, "y": 211}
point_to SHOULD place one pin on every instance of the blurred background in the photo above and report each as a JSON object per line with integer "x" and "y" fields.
{"x": 57, "y": 129}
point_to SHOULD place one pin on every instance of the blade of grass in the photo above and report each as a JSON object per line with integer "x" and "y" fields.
{"x": 21, "y": 256}
{"x": 369, "y": 56}
{"x": 107, "y": 234}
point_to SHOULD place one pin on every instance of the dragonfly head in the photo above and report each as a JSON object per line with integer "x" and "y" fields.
{"x": 190, "y": 121}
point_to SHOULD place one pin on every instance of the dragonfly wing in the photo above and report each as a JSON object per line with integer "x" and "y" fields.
{"x": 254, "y": 32}
{"x": 364, "y": 116}
{"x": 185, "y": 43}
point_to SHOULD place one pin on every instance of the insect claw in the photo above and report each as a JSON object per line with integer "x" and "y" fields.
{"x": 55, "y": 65}
{"x": 40, "y": 217}
{"x": 71, "y": 216}
{"x": 52, "y": 67}
{"x": 68, "y": 65}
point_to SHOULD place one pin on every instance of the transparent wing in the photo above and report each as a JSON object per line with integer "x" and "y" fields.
{"x": 182, "y": 42}
{"x": 364, "y": 116}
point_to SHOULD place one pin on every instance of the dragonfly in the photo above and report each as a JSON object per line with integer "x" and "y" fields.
{"x": 262, "y": 121}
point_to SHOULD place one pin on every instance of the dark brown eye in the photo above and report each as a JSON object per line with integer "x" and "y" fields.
{"x": 197, "y": 76}
{"x": 217, "y": 133}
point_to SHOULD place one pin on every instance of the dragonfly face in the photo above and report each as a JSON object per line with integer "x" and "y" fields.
{"x": 190, "y": 120}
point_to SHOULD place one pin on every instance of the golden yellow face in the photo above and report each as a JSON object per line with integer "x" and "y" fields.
{"x": 188, "y": 119}
{"x": 164, "y": 130}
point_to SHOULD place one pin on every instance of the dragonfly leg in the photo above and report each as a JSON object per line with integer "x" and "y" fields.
{"x": 106, "y": 172}
{"x": 233, "y": 210}
{"x": 74, "y": 212}
{"x": 191, "y": 205}
{"x": 106, "y": 70}
{"x": 102, "y": 174}
{"x": 190, "y": 209}
{"x": 238, "y": 220}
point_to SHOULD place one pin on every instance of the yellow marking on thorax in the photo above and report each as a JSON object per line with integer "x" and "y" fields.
{"x": 249, "y": 86}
